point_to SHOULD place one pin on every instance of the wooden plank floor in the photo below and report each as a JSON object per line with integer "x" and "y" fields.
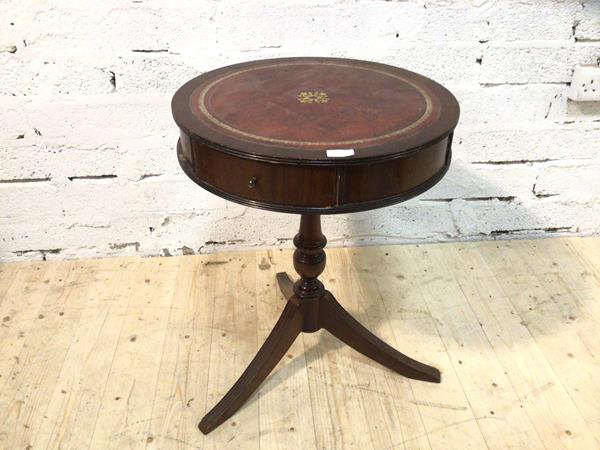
{"x": 130, "y": 353}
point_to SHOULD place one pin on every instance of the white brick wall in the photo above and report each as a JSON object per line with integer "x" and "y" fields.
{"x": 87, "y": 162}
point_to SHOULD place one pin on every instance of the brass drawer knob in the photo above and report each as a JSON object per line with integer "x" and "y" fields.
{"x": 252, "y": 183}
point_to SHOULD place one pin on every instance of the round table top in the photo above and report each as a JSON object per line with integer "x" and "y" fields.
{"x": 321, "y": 110}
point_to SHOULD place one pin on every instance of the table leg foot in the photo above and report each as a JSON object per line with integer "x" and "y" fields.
{"x": 335, "y": 319}
{"x": 286, "y": 285}
{"x": 283, "y": 335}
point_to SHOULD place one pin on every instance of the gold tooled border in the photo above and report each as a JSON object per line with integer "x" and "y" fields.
{"x": 201, "y": 105}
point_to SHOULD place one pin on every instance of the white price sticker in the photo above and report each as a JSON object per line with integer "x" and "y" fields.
{"x": 340, "y": 152}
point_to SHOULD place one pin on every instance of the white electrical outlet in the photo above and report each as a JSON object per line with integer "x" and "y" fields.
{"x": 585, "y": 85}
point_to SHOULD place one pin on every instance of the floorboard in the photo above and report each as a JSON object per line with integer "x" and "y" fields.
{"x": 130, "y": 353}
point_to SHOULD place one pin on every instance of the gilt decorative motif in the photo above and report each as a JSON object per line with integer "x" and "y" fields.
{"x": 313, "y": 97}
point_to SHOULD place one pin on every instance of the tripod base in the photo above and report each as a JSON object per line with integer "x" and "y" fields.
{"x": 309, "y": 314}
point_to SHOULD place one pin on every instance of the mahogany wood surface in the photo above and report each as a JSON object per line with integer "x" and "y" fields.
{"x": 309, "y": 308}
{"x": 262, "y": 134}
{"x": 258, "y": 133}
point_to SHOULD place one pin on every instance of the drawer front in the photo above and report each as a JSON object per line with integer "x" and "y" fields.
{"x": 397, "y": 177}
{"x": 280, "y": 184}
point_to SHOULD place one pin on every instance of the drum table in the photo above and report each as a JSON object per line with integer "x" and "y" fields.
{"x": 313, "y": 136}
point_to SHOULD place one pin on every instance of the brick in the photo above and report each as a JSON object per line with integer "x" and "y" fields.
{"x": 342, "y": 25}
{"x": 13, "y": 124}
{"x": 531, "y": 20}
{"x": 495, "y": 218}
{"x": 447, "y": 64}
{"x": 571, "y": 182}
{"x": 535, "y": 63}
{"x": 27, "y": 158}
{"x": 504, "y": 104}
{"x": 564, "y": 110}
{"x": 399, "y": 223}
{"x": 331, "y": 24}
{"x": 538, "y": 142}
{"x": 152, "y": 73}
{"x": 587, "y": 26}
{"x": 105, "y": 198}
{"x": 96, "y": 119}
{"x": 131, "y": 159}
{"x": 101, "y": 26}
{"x": 474, "y": 182}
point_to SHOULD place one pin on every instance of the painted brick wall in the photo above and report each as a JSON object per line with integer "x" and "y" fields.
{"x": 87, "y": 162}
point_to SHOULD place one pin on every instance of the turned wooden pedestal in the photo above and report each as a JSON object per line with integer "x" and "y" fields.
{"x": 309, "y": 308}
{"x": 313, "y": 136}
